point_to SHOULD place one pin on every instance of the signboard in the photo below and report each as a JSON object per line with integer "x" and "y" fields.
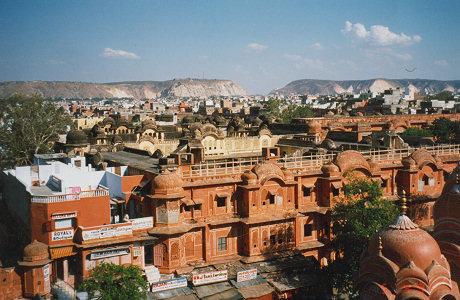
{"x": 169, "y": 284}
{"x": 137, "y": 251}
{"x": 109, "y": 252}
{"x": 246, "y": 275}
{"x": 64, "y": 215}
{"x": 46, "y": 272}
{"x": 142, "y": 223}
{"x": 106, "y": 232}
{"x": 209, "y": 277}
{"x": 62, "y": 235}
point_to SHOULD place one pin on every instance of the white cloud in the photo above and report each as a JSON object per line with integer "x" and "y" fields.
{"x": 441, "y": 63}
{"x": 379, "y": 35}
{"x": 112, "y": 53}
{"x": 256, "y": 47}
{"x": 301, "y": 61}
{"x": 317, "y": 46}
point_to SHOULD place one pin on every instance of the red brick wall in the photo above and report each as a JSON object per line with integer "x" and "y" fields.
{"x": 10, "y": 284}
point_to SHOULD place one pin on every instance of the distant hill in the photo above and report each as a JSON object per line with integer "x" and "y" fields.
{"x": 331, "y": 87}
{"x": 129, "y": 89}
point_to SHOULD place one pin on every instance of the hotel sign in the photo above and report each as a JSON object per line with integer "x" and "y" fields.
{"x": 169, "y": 284}
{"x": 109, "y": 252}
{"x": 106, "y": 232}
{"x": 62, "y": 235}
{"x": 209, "y": 277}
{"x": 246, "y": 275}
{"x": 142, "y": 223}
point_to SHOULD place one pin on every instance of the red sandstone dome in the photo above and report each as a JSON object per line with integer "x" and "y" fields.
{"x": 403, "y": 261}
{"x": 266, "y": 171}
{"x": 167, "y": 185}
{"x": 329, "y": 168}
{"x": 249, "y": 177}
{"x": 35, "y": 254}
{"x": 351, "y": 159}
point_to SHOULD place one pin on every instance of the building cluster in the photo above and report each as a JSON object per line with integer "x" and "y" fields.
{"x": 235, "y": 208}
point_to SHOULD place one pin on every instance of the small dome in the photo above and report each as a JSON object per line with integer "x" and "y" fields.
{"x": 149, "y": 124}
{"x": 266, "y": 171}
{"x": 403, "y": 242}
{"x": 35, "y": 251}
{"x": 249, "y": 177}
{"x": 117, "y": 139}
{"x": 314, "y": 127}
{"x": 76, "y": 137}
{"x": 351, "y": 159}
{"x": 167, "y": 185}
{"x": 329, "y": 168}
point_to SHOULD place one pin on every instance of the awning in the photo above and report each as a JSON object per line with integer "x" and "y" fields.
{"x": 385, "y": 176}
{"x": 308, "y": 185}
{"x": 222, "y": 195}
{"x": 337, "y": 184}
{"x": 62, "y": 252}
{"x": 187, "y": 202}
{"x": 198, "y": 200}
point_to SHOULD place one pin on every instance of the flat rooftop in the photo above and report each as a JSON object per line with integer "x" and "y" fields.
{"x": 138, "y": 161}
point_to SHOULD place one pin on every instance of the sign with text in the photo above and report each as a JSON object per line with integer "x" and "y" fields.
{"x": 62, "y": 235}
{"x": 142, "y": 223}
{"x": 63, "y": 215}
{"x": 209, "y": 277}
{"x": 246, "y": 275}
{"x": 169, "y": 284}
{"x": 106, "y": 232}
{"x": 109, "y": 252}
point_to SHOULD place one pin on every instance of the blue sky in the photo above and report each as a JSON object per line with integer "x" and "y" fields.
{"x": 261, "y": 45}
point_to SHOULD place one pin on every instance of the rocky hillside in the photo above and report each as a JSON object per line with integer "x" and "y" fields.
{"x": 130, "y": 89}
{"x": 331, "y": 87}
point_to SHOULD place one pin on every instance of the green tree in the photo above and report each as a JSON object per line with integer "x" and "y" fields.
{"x": 444, "y": 95}
{"x": 28, "y": 126}
{"x": 356, "y": 217}
{"x": 444, "y": 130}
{"x": 415, "y": 131}
{"x": 296, "y": 111}
{"x": 114, "y": 282}
{"x": 273, "y": 107}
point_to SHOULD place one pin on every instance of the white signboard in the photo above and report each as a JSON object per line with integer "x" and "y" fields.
{"x": 109, "y": 253}
{"x": 209, "y": 277}
{"x": 169, "y": 284}
{"x": 246, "y": 275}
{"x": 62, "y": 235}
{"x": 46, "y": 272}
{"x": 106, "y": 232}
{"x": 142, "y": 223}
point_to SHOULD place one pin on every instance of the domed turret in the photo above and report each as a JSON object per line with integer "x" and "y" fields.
{"x": 76, "y": 137}
{"x": 167, "y": 185}
{"x": 402, "y": 261}
{"x": 35, "y": 254}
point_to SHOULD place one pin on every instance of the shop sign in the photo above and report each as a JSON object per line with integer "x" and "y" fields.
{"x": 62, "y": 235}
{"x": 246, "y": 275}
{"x": 209, "y": 277}
{"x": 106, "y": 232}
{"x": 46, "y": 272}
{"x": 109, "y": 253}
{"x": 63, "y": 215}
{"x": 169, "y": 284}
{"x": 142, "y": 223}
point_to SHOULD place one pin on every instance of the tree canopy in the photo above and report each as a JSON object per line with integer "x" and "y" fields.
{"x": 444, "y": 95}
{"x": 445, "y": 130}
{"x": 28, "y": 126}
{"x": 114, "y": 282}
{"x": 355, "y": 218}
{"x": 277, "y": 108}
{"x": 419, "y": 132}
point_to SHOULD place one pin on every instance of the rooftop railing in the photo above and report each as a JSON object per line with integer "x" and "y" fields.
{"x": 70, "y": 197}
{"x": 308, "y": 162}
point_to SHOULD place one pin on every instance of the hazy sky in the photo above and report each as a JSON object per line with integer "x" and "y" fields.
{"x": 261, "y": 45}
